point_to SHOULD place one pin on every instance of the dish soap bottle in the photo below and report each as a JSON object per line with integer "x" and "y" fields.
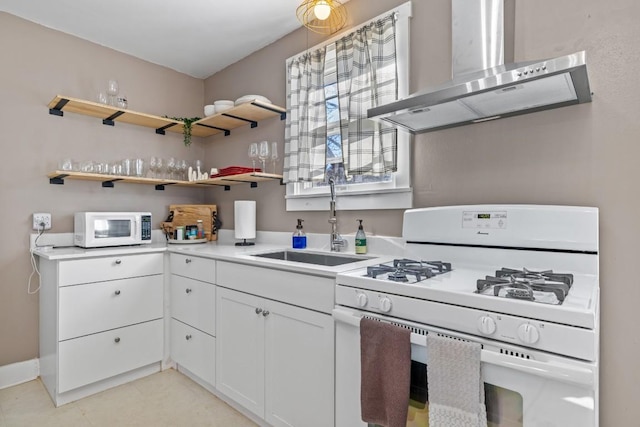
{"x": 299, "y": 238}
{"x": 361, "y": 240}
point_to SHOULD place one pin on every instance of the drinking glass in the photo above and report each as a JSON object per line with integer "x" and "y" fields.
{"x": 126, "y": 167}
{"x": 153, "y": 167}
{"x": 183, "y": 170}
{"x": 102, "y": 98}
{"x": 138, "y": 167}
{"x": 160, "y": 167}
{"x": 274, "y": 155}
{"x": 112, "y": 91}
{"x": 121, "y": 101}
{"x": 171, "y": 167}
{"x": 253, "y": 153}
{"x": 263, "y": 153}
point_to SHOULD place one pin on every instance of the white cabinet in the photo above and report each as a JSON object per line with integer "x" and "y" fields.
{"x": 193, "y": 319}
{"x": 100, "y": 322}
{"x": 275, "y": 359}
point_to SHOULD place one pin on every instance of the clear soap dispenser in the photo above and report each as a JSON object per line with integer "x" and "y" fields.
{"x": 299, "y": 238}
{"x": 361, "y": 239}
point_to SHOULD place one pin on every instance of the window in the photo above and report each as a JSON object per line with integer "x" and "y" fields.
{"x": 365, "y": 191}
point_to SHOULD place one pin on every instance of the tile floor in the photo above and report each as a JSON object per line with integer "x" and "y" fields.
{"x": 164, "y": 399}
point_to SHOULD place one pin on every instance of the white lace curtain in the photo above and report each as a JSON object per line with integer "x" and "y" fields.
{"x": 367, "y": 77}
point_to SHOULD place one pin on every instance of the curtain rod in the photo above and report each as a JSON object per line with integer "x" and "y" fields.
{"x": 402, "y": 10}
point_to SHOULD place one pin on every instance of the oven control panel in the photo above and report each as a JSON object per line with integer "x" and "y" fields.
{"x": 483, "y": 220}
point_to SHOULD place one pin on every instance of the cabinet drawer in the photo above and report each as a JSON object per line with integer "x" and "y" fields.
{"x": 193, "y": 303}
{"x": 97, "y": 307}
{"x": 194, "y": 350}
{"x": 78, "y": 271}
{"x": 193, "y": 267}
{"x": 95, "y": 357}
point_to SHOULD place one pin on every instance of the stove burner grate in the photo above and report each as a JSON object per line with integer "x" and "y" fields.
{"x": 402, "y": 268}
{"x": 527, "y": 285}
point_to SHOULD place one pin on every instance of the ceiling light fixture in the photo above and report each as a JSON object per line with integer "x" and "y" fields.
{"x": 322, "y": 16}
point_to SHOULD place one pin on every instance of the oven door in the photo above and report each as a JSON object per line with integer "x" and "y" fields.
{"x": 522, "y": 388}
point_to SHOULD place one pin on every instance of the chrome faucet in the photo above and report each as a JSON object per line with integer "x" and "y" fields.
{"x": 336, "y": 240}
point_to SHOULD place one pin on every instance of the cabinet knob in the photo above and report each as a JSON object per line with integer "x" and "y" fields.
{"x": 265, "y": 313}
{"x": 118, "y": 262}
{"x": 118, "y": 292}
{"x": 188, "y": 337}
{"x": 258, "y": 310}
{"x": 117, "y": 340}
{"x": 188, "y": 260}
{"x": 188, "y": 290}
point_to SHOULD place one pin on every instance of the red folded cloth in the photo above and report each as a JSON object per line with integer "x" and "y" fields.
{"x": 385, "y": 364}
{"x": 235, "y": 170}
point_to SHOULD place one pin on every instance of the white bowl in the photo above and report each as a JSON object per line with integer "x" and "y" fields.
{"x": 249, "y": 98}
{"x": 221, "y": 108}
{"x": 223, "y": 102}
{"x": 209, "y": 110}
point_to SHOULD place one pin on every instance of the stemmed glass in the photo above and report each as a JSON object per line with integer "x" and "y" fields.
{"x": 182, "y": 166}
{"x": 263, "y": 153}
{"x": 160, "y": 167}
{"x": 153, "y": 167}
{"x": 171, "y": 166}
{"x": 274, "y": 155}
{"x": 253, "y": 154}
{"x": 112, "y": 91}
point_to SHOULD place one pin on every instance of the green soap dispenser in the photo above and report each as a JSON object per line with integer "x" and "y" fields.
{"x": 299, "y": 238}
{"x": 361, "y": 240}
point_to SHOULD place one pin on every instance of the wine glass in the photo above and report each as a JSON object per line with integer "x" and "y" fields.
{"x": 182, "y": 166}
{"x": 112, "y": 91}
{"x": 274, "y": 155}
{"x": 160, "y": 167}
{"x": 263, "y": 153}
{"x": 153, "y": 167}
{"x": 253, "y": 154}
{"x": 171, "y": 167}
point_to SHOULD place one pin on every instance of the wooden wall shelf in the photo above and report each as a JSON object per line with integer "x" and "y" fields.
{"x": 245, "y": 114}
{"x": 58, "y": 177}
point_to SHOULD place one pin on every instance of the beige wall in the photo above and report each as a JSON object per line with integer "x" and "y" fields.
{"x": 580, "y": 155}
{"x": 37, "y": 64}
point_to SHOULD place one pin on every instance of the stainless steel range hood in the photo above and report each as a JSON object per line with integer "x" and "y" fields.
{"x": 483, "y": 87}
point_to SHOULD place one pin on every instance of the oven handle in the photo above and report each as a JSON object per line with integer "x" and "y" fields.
{"x": 551, "y": 370}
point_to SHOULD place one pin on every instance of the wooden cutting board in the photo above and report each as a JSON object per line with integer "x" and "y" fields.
{"x": 184, "y": 215}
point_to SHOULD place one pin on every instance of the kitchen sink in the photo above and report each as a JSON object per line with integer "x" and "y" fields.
{"x": 329, "y": 260}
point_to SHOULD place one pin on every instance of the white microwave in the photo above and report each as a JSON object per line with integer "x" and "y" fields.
{"x": 101, "y": 229}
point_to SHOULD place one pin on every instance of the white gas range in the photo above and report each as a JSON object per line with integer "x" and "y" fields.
{"x": 522, "y": 280}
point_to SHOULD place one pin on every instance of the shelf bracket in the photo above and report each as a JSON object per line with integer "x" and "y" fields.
{"x": 254, "y": 185}
{"x": 227, "y": 132}
{"x": 283, "y": 115}
{"x": 58, "y": 180}
{"x": 227, "y": 188}
{"x": 161, "y": 131}
{"x": 254, "y": 124}
{"x": 109, "y": 184}
{"x": 109, "y": 121}
{"x": 160, "y": 187}
{"x": 57, "y": 110}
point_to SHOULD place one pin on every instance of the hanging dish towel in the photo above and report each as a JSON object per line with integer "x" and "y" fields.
{"x": 456, "y": 389}
{"x": 385, "y": 363}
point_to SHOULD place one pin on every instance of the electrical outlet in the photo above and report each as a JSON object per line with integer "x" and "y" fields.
{"x": 41, "y": 218}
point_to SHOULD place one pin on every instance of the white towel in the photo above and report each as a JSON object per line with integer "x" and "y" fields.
{"x": 456, "y": 389}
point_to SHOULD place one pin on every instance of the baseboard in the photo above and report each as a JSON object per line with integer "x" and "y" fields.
{"x": 18, "y": 373}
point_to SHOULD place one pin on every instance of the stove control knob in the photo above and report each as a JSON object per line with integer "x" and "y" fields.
{"x": 362, "y": 300}
{"x": 486, "y": 325}
{"x": 528, "y": 333}
{"x": 385, "y": 304}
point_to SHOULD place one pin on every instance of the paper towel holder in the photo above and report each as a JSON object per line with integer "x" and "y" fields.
{"x": 245, "y": 243}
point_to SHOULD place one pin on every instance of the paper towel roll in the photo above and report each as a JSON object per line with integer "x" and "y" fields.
{"x": 245, "y": 219}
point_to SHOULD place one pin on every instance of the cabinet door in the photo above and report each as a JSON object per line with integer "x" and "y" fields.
{"x": 299, "y": 364}
{"x": 194, "y": 350}
{"x": 240, "y": 348}
{"x": 194, "y": 303}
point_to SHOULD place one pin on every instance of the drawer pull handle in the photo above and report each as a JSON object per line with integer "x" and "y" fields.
{"x": 118, "y": 292}
{"x": 117, "y": 340}
{"x": 258, "y": 310}
{"x": 265, "y": 313}
{"x": 118, "y": 262}
{"x": 188, "y": 290}
{"x": 188, "y": 260}
{"x": 188, "y": 337}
